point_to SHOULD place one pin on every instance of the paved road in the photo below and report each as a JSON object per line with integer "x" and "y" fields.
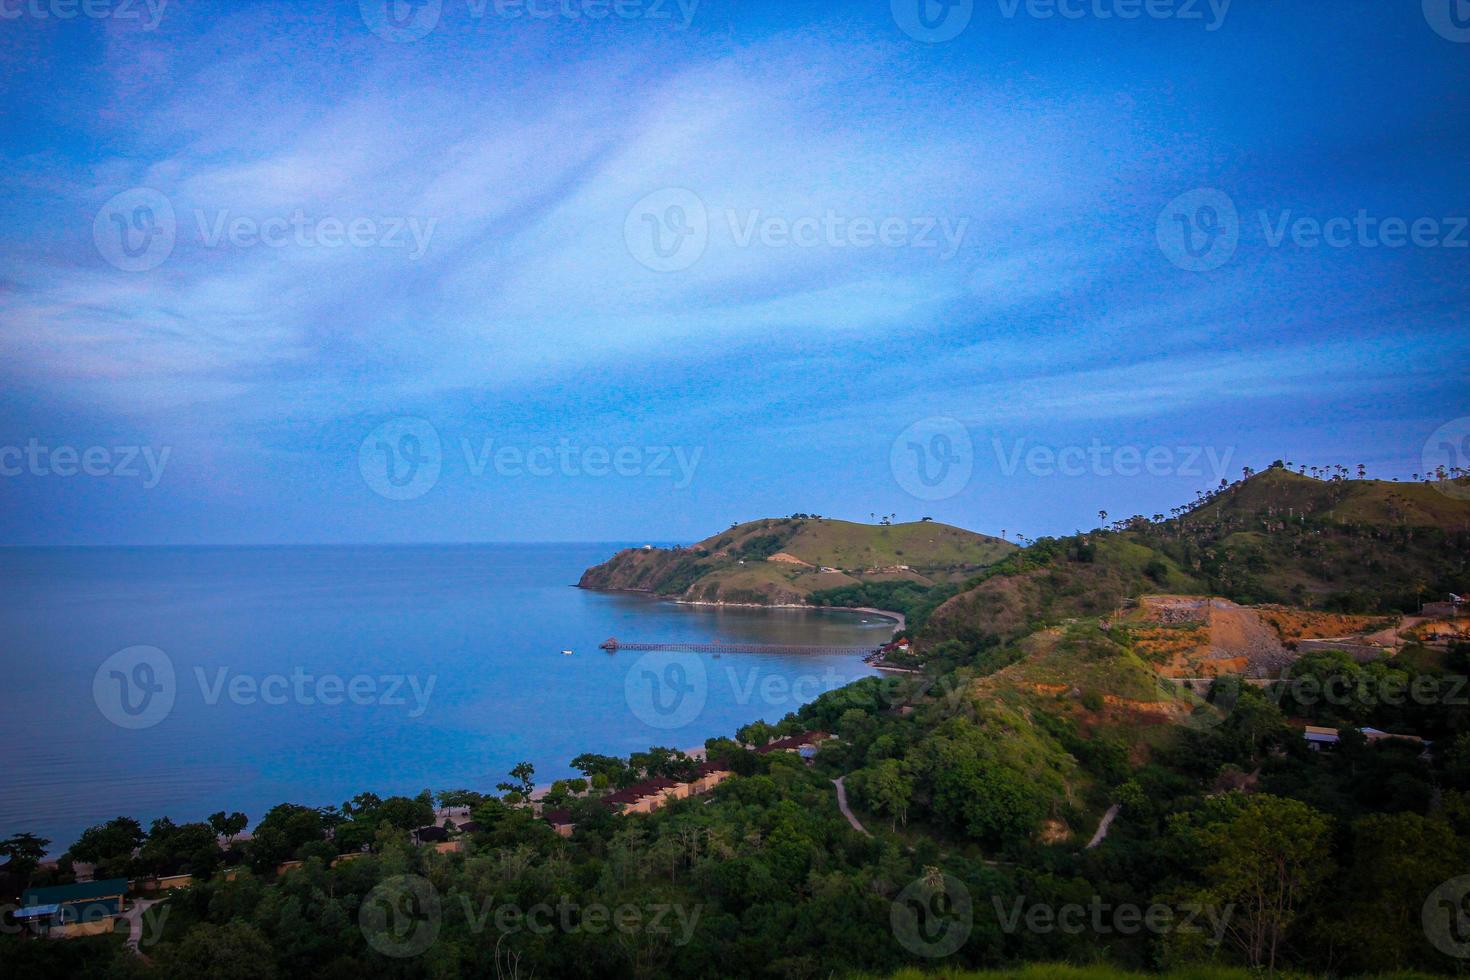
{"x": 1103, "y": 825}
{"x": 842, "y": 805}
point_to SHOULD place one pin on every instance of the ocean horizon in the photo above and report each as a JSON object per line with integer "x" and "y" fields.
{"x": 177, "y": 680}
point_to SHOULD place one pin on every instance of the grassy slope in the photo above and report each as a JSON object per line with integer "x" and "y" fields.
{"x": 1052, "y": 582}
{"x": 1365, "y": 545}
{"x": 1041, "y": 610}
{"x": 1080, "y": 677}
{"x": 922, "y": 545}
{"x": 732, "y": 566}
{"x": 1277, "y": 537}
{"x": 1281, "y": 492}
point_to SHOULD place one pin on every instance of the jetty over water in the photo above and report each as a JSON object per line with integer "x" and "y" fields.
{"x": 613, "y": 644}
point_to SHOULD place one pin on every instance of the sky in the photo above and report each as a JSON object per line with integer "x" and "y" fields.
{"x": 467, "y": 270}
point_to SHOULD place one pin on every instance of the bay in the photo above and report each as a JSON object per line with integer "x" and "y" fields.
{"x": 309, "y": 674}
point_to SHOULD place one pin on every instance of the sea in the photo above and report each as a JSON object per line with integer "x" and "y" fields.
{"x": 182, "y": 681}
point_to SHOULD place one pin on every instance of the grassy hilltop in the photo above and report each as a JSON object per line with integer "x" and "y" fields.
{"x": 798, "y": 559}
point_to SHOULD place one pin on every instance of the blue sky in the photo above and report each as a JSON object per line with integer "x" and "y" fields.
{"x": 510, "y": 274}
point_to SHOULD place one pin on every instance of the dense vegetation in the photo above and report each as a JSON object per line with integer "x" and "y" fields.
{"x": 979, "y": 782}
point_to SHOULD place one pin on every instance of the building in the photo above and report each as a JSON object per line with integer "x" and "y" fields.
{"x": 560, "y": 820}
{"x": 83, "y": 909}
{"x": 1320, "y": 738}
{"x": 1375, "y": 736}
{"x": 794, "y": 743}
{"x": 708, "y": 776}
{"x": 167, "y": 883}
{"x": 647, "y": 796}
{"x": 431, "y": 835}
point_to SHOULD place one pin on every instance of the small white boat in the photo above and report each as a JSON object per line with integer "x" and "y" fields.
{"x": 566, "y": 653}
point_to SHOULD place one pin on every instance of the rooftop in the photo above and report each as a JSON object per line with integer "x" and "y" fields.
{"x": 82, "y": 891}
{"x": 791, "y": 742}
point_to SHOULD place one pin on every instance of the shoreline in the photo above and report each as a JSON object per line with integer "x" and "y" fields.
{"x": 899, "y": 619}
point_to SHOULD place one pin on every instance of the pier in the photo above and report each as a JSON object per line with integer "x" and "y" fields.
{"x": 613, "y": 645}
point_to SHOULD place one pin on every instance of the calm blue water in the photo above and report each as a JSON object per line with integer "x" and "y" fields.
{"x": 469, "y": 639}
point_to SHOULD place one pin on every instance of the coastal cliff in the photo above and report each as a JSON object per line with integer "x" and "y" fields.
{"x": 788, "y": 561}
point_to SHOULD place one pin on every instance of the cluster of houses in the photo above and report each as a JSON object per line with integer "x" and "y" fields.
{"x": 650, "y": 794}
{"x": 446, "y": 836}
{"x": 89, "y": 908}
{"x": 898, "y": 648}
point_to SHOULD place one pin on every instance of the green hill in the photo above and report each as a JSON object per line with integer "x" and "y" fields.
{"x": 1367, "y": 546}
{"x": 792, "y": 560}
{"x": 1278, "y": 491}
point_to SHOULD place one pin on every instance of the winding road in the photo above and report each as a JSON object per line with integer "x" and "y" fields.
{"x": 846, "y": 811}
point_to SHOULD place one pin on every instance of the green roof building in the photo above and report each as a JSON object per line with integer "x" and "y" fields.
{"x": 84, "y": 908}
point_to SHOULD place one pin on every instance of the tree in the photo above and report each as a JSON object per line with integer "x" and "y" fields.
{"x": 283, "y": 830}
{"x": 171, "y": 847}
{"x": 1265, "y": 858}
{"x": 756, "y": 733}
{"x": 889, "y": 791}
{"x": 592, "y": 765}
{"x": 234, "y": 951}
{"x": 524, "y": 773}
{"x": 404, "y": 813}
{"x": 228, "y": 826}
{"x": 361, "y": 805}
{"x": 108, "y": 841}
{"x": 24, "y": 851}
{"x": 1457, "y": 762}
{"x": 461, "y": 797}
{"x": 1398, "y": 859}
